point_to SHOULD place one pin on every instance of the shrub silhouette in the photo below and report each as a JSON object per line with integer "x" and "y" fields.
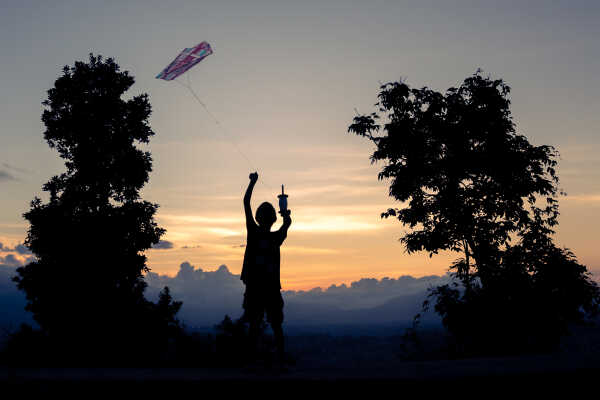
{"x": 86, "y": 286}
{"x": 471, "y": 184}
{"x": 233, "y": 343}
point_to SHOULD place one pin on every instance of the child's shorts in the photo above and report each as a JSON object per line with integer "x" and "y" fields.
{"x": 258, "y": 300}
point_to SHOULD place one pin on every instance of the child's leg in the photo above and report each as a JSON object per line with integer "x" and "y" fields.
{"x": 254, "y": 333}
{"x": 253, "y": 313}
{"x": 279, "y": 340}
{"x": 275, "y": 318}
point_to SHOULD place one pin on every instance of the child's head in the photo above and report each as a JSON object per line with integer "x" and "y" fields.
{"x": 265, "y": 215}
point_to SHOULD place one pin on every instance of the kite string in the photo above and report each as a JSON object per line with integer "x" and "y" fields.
{"x": 223, "y": 130}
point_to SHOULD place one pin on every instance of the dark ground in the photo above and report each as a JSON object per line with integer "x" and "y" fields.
{"x": 344, "y": 364}
{"x": 515, "y": 376}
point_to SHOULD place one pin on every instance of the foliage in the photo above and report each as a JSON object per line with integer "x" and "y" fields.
{"x": 519, "y": 311}
{"x": 233, "y": 343}
{"x": 89, "y": 238}
{"x": 469, "y": 183}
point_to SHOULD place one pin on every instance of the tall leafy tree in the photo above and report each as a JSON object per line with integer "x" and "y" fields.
{"x": 469, "y": 183}
{"x": 89, "y": 237}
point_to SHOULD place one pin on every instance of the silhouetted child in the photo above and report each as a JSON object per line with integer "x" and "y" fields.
{"x": 260, "y": 272}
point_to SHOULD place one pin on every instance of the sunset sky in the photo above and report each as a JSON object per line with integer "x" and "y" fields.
{"x": 284, "y": 81}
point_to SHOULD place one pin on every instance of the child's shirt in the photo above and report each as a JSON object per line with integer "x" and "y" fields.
{"x": 262, "y": 256}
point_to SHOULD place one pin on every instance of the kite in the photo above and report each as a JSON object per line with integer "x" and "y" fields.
{"x": 185, "y": 60}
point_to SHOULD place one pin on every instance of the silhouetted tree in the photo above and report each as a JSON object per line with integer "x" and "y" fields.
{"x": 470, "y": 184}
{"x": 167, "y": 308}
{"x": 89, "y": 238}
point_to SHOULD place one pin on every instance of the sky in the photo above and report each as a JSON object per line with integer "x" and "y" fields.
{"x": 284, "y": 81}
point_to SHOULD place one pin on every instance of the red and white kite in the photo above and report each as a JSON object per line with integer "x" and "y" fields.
{"x": 185, "y": 60}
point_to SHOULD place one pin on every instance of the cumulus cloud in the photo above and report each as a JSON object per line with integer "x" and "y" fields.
{"x": 163, "y": 245}
{"x": 20, "y": 249}
{"x": 21, "y": 255}
{"x": 10, "y": 261}
{"x": 208, "y": 295}
{"x": 367, "y": 292}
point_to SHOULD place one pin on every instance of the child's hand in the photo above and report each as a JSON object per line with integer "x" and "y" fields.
{"x": 253, "y": 176}
{"x": 285, "y": 213}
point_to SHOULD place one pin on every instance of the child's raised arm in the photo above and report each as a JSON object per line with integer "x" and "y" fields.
{"x": 247, "y": 209}
{"x": 287, "y": 221}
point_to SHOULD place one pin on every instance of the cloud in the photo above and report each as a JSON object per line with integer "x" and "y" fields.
{"x": 197, "y": 219}
{"x": 163, "y": 245}
{"x": 303, "y": 250}
{"x": 367, "y": 292}
{"x": 330, "y": 224}
{"x": 223, "y": 232}
{"x": 5, "y": 176}
{"x": 16, "y": 169}
{"x": 327, "y": 219}
{"x": 21, "y": 226}
{"x": 348, "y": 190}
{"x": 10, "y": 261}
{"x": 185, "y": 226}
{"x": 208, "y": 295}
{"x": 20, "y": 249}
{"x": 584, "y": 198}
